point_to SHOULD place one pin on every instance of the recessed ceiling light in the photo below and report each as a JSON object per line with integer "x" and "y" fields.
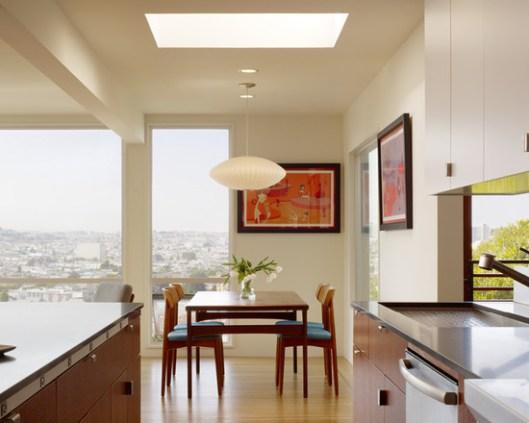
{"x": 246, "y": 96}
{"x": 248, "y": 70}
{"x": 246, "y": 30}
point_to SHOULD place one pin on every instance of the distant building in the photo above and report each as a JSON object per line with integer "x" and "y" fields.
{"x": 89, "y": 251}
{"x": 481, "y": 233}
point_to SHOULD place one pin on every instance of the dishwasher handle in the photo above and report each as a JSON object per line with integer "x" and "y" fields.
{"x": 445, "y": 397}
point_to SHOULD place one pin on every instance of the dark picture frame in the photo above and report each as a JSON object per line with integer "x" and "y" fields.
{"x": 395, "y": 175}
{"x": 308, "y": 192}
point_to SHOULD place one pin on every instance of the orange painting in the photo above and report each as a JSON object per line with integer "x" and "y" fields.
{"x": 304, "y": 199}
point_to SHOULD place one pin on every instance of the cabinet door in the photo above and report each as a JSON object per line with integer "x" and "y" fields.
{"x": 437, "y": 90}
{"x": 467, "y": 92}
{"x": 120, "y": 399}
{"x": 360, "y": 331}
{"x": 506, "y": 53}
{"x": 101, "y": 412}
{"x": 361, "y": 386}
{"x": 377, "y": 395}
{"x": 395, "y": 410}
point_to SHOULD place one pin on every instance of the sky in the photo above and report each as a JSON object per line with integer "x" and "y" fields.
{"x": 70, "y": 180}
{"x": 184, "y": 196}
{"x": 499, "y": 210}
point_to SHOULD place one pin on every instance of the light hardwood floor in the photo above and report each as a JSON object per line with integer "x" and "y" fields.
{"x": 249, "y": 394}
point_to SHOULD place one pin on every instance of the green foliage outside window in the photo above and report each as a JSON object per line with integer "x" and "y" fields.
{"x": 505, "y": 243}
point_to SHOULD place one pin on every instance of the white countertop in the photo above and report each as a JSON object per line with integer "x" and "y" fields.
{"x": 498, "y": 400}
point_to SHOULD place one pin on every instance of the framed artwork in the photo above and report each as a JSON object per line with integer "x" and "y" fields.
{"x": 307, "y": 199}
{"x": 395, "y": 175}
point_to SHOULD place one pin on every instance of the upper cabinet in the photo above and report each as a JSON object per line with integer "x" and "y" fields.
{"x": 506, "y": 83}
{"x": 477, "y": 91}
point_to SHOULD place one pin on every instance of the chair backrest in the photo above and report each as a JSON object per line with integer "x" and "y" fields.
{"x": 321, "y": 292}
{"x": 179, "y": 288}
{"x": 111, "y": 292}
{"x": 172, "y": 297}
{"x": 327, "y": 305}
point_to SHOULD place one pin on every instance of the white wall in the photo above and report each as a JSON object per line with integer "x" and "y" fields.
{"x": 409, "y": 266}
{"x": 307, "y": 259}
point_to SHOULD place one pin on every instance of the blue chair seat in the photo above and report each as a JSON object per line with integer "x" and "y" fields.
{"x": 318, "y": 334}
{"x": 179, "y": 333}
{"x": 314, "y": 333}
{"x": 297, "y": 322}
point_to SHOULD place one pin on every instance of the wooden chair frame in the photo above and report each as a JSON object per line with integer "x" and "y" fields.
{"x": 173, "y": 294}
{"x": 326, "y": 298}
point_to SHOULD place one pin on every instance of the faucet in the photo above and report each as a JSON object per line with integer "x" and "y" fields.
{"x": 488, "y": 262}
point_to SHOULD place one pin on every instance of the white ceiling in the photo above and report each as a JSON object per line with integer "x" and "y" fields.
{"x": 206, "y": 80}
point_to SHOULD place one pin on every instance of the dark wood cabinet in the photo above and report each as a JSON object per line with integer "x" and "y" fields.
{"x": 395, "y": 408}
{"x": 361, "y": 338}
{"x": 361, "y": 385}
{"x": 385, "y": 350}
{"x": 102, "y": 387}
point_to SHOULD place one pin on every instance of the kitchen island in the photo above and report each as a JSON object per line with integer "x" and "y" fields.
{"x": 73, "y": 362}
{"x": 492, "y": 342}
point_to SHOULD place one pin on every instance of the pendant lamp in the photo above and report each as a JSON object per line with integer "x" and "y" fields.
{"x": 247, "y": 172}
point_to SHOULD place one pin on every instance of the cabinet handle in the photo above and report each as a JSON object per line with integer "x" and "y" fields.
{"x": 131, "y": 327}
{"x": 93, "y": 358}
{"x": 356, "y": 351}
{"x": 356, "y": 312}
{"x": 449, "y": 169}
{"x": 14, "y": 418}
{"x": 380, "y": 328}
{"x": 129, "y": 388}
{"x": 382, "y": 397}
{"x": 526, "y": 143}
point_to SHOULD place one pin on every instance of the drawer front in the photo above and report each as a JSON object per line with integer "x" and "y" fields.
{"x": 360, "y": 331}
{"x": 131, "y": 339}
{"x": 395, "y": 349}
{"x": 376, "y": 343}
{"x": 101, "y": 412}
{"x": 79, "y": 388}
{"x": 385, "y": 350}
{"x": 41, "y": 407}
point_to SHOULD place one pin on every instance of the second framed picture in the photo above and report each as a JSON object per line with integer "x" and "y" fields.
{"x": 307, "y": 199}
{"x": 395, "y": 175}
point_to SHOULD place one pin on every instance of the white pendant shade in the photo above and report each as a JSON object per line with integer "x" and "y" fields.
{"x": 247, "y": 173}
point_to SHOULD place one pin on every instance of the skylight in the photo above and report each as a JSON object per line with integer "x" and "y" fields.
{"x": 246, "y": 30}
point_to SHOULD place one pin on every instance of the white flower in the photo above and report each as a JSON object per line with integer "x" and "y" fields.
{"x": 271, "y": 277}
{"x": 279, "y": 269}
{"x": 233, "y": 273}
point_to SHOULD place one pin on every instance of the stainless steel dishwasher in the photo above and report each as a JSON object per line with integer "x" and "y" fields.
{"x": 431, "y": 397}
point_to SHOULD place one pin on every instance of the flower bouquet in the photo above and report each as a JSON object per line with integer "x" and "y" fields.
{"x": 246, "y": 273}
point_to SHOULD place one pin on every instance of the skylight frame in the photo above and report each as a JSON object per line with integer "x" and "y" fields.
{"x": 246, "y": 30}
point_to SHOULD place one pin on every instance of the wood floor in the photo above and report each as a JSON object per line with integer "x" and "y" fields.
{"x": 249, "y": 394}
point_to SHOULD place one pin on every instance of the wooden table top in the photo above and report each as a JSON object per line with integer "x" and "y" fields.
{"x": 265, "y": 300}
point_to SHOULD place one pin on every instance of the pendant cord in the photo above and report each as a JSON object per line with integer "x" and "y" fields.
{"x": 247, "y": 118}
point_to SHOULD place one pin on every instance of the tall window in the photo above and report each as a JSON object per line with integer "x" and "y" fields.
{"x": 497, "y": 225}
{"x": 190, "y": 212}
{"x": 367, "y": 225}
{"x": 60, "y": 213}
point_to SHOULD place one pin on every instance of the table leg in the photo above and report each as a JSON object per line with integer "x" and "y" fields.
{"x": 305, "y": 366}
{"x": 189, "y": 355}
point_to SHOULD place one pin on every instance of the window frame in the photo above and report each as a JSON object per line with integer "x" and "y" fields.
{"x": 43, "y": 125}
{"x": 148, "y": 306}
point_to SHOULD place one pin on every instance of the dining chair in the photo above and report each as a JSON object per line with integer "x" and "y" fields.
{"x": 321, "y": 290}
{"x": 175, "y": 337}
{"x": 113, "y": 292}
{"x": 181, "y": 293}
{"x": 316, "y": 337}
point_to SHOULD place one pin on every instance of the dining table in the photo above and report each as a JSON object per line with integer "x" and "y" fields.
{"x": 265, "y": 308}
